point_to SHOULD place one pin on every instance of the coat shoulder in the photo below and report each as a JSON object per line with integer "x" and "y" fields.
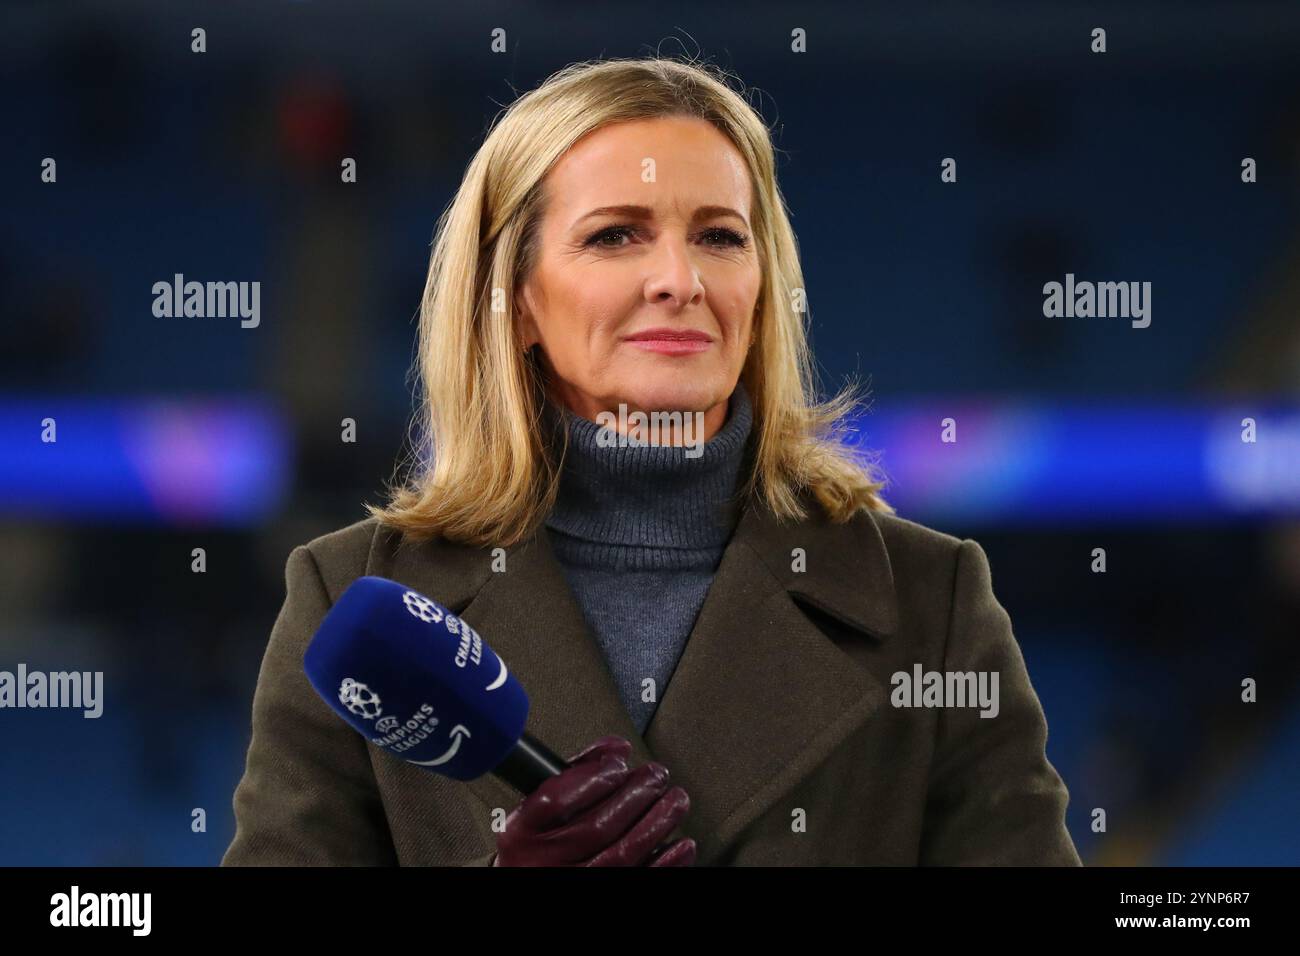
{"x": 347, "y": 553}
{"x": 924, "y": 563}
{"x": 912, "y": 546}
{"x": 904, "y": 533}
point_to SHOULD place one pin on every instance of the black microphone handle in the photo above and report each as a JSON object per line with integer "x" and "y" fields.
{"x": 529, "y": 764}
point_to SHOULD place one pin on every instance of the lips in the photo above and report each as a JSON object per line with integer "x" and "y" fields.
{"x": 670, "y": 335}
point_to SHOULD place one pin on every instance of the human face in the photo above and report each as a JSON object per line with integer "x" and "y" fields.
{"x": 619, "y": 257}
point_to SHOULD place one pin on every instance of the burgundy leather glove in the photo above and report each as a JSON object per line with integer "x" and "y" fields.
{"x": 598, "y": 812}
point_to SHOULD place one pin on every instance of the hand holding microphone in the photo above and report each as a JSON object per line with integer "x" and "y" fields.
{"x": 598, "y": 812}
{"x": 420, "y": 683}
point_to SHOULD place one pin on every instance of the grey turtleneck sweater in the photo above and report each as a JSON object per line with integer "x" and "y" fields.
{"x": 639, "y": 531}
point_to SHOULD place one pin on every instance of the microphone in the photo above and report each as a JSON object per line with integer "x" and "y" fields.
{"x": 419, "y": 682}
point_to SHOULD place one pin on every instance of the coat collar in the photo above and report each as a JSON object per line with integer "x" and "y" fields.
{"x": 760, "y": 695}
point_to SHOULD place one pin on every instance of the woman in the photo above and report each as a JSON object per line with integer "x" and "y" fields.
{"x": 716, "y": 616}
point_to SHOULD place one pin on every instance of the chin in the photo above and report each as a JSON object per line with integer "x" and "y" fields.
{"x": 697, "y": 396}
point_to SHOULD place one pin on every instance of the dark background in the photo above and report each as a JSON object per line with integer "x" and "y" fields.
{"x": 225, "y": 166}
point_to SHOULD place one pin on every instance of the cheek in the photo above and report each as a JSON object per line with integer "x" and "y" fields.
{"x": 735, "y": 306}
{"x": 569, "y": 308}
{"x": 737, "y": 284}
{"x": 600, "y": 311}
{"x": 586, "y": 321}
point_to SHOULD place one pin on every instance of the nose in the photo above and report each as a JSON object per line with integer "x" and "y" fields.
{"x": 672, "y": 275}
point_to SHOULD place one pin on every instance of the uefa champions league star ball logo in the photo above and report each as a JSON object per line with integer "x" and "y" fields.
{"x": 421, "y": 607}
{"x": 359, "y": 699}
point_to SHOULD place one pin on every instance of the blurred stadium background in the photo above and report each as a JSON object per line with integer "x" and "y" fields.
{"x": 1074, "y": 433}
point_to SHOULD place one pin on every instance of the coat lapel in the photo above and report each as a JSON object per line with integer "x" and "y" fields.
{"x": 529, "y": 616}
{"x": 760, "y": 697}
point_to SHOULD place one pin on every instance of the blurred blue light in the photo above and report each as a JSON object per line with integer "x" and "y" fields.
{"x": 165, "y": 461}
{"x": 1014, "y": 463}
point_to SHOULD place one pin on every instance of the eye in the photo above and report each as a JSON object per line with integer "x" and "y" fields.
{"x": 729, "y": 237}
{"x": 717, "y": 236}
{"x": 598, "y": 239}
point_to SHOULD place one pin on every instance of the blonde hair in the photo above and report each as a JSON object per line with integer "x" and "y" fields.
{"x": 484, "y": 473}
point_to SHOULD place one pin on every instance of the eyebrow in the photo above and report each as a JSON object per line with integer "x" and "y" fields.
{"x": 645, "y": 212}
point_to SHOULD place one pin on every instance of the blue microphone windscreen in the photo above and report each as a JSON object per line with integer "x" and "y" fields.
{"x": 416, "y": 680}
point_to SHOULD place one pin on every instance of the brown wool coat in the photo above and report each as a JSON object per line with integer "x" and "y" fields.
{"x": 780, "y": 704}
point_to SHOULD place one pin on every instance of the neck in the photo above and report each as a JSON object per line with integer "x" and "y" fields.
{"x": 649, "y": 505}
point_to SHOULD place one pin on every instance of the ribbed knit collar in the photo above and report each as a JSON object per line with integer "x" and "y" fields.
{"x": 649, "y": 506}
